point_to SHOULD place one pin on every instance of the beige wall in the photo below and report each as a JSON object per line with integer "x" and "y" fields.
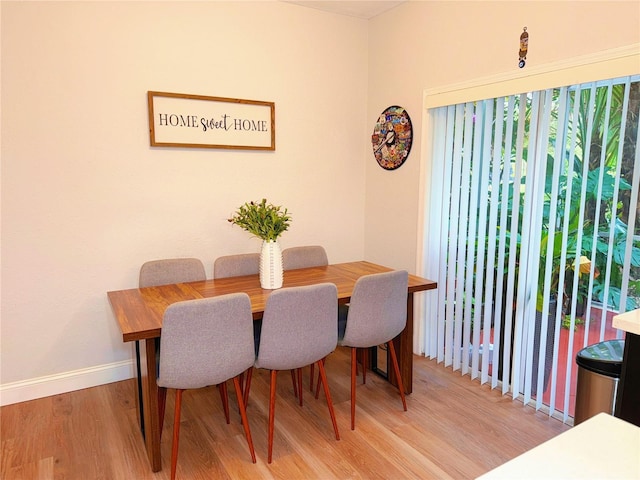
{"x": 423, "y": 45}
{"x": 85, "y": 200}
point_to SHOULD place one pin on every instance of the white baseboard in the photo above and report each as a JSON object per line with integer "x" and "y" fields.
{"x": 65, "y": 382}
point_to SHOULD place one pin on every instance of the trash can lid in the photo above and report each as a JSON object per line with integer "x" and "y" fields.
{"x": 604, "y": 357}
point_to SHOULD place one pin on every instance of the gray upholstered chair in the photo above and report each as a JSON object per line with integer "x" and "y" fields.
{"x": 206, "y": 342}
{"x": 239, "y": 265}
{"x": 303, "y": 257}
{"x": 236, "y": 265}
{"x": 299, "y": 328}
{"x": 377, "y": 313}
{"x": 171, "y": 270}
{"x": 166, "y": 271}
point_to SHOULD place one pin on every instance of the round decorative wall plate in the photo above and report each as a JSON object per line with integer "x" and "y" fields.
{"x": 392, "y": 137}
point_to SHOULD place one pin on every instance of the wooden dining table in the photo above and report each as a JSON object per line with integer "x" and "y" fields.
{"x": 139, "y": 313}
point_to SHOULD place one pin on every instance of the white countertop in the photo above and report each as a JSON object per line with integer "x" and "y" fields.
{"x": 602, "y": 447}
{"x": 628, "y": 321}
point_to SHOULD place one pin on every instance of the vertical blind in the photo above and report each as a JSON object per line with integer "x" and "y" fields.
{"x": 531, "y": 230}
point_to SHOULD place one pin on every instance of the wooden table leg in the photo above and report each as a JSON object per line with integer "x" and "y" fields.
{"x": 138, "y": 392}
{"x": 149, "y": 407}
{"x": 628, "y": 398}
{"x": 403, "y": 344}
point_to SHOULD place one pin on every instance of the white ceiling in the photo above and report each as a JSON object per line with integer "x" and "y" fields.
{"x": 361, "y": 9}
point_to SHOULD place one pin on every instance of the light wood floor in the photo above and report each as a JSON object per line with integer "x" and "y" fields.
{"x": 454, "y": 428}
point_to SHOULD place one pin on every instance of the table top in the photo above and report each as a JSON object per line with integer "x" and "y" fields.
{"x": 628, "y": 321}
{"x": 602, "y": 447}
{"x": 139, "y": 311}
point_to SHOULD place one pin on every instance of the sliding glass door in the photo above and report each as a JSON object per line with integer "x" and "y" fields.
{"x": 533, "y": 233}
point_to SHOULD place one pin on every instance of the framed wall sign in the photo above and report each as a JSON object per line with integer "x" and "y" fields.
{"x": 198, "y": 121}
{"x": 392, "y": 137}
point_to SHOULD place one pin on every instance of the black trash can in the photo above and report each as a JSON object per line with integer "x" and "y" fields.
{"x": 599, "y": 368}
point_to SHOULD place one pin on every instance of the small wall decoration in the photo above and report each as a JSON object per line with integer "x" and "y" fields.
{"x": 392, "y": 137}
{"x": 524, "y": 46}
{"x": 198, "y": 121}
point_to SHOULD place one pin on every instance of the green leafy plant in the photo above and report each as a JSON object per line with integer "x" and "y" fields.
{"x": 264, "y": 220}
{"x": 594, "y": 164}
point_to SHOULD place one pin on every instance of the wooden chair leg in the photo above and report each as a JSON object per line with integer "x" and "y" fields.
{"x": 247, "y": 387}
{"x": 243, "y": 416}
{"x": 327, "y": 394}
{"x": 241, "y": 379}
{"x": 272, "y": 412}
{"x": 319, "y": 382}
{"x": 365, "y": 363}
{"x": 294, "y": 384}
{"x": 162, "y": 404}
{"x": 396, "y": 368}
{"x": 299, "y": 371}
{"x": 222, "y": 388}
{"x": 176, "y": 433}
{"x": 311, "y": 374}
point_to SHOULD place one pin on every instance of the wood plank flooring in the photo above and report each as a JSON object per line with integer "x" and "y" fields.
{"x": 454, "y": 429}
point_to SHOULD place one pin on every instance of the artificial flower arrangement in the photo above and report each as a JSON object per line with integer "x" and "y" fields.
{"x": 264, "y": 220}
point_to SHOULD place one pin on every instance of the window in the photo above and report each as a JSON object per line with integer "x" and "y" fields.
{"x": 533, "y": 233}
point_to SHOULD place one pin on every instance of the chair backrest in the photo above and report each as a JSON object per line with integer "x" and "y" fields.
{"x": 206, "y": 341}
{"x": 299, "y": 326}
{"x": 303, "y": 257}
{"x": 236, "y": 265}
{"x": 377, "y": 309}
{"x": 171, "y": 270}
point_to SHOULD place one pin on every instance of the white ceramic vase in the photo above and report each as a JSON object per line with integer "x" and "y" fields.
{"x": 271, "y": 265}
